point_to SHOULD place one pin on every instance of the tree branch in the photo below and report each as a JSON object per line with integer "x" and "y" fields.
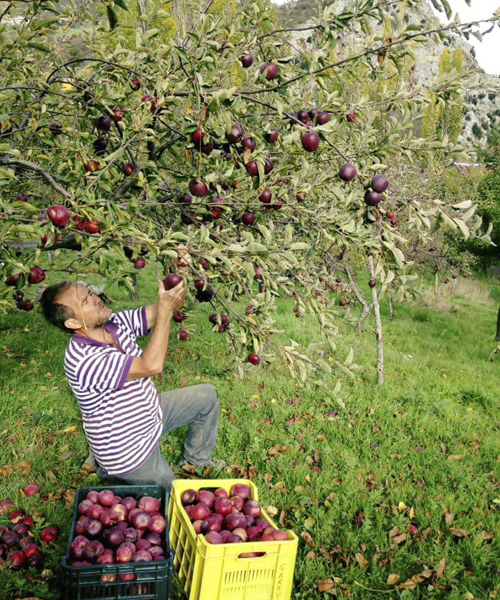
{"x": 29, "y": 165}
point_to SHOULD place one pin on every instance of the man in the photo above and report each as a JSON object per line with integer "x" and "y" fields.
{"x": 124, "y": 417}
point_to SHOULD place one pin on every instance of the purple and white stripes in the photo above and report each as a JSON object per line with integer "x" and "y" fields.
{"x": 121, "y": 419}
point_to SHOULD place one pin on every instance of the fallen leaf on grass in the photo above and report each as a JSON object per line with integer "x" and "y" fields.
{"x": 327, "y": 586}
{"x": 311, "y": 555}
{"x": 277, "y": 450}
{"x": 399, "y": 539}
{"x": 486, "y": 535}
{"x": 456, "y": 456}
{"x": 440, "y": 569}
{"x": 24, "y": 467}
{"x": 394, "y": 531}
{"x": 308, "y": 539}
{"x": 361, "y": 560}
{"x": 459, "y": 532}
{"x": 69, "y": 429}
{"x": 392, "y": 579}
{"x": 272, "y": 511}
{"x": 448, "y": 517}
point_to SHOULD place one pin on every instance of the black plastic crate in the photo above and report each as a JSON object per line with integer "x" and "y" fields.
{"x": 152, "y": 579}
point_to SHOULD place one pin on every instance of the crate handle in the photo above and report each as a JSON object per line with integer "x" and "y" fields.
{"x": 243, "y": 557}
{"x": 167, "y": 527}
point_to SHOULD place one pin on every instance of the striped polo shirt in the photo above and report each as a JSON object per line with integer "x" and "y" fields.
{"x": 121, "y": 419}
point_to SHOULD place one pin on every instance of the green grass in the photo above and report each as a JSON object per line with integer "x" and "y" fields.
{"x": 428, "y": 439}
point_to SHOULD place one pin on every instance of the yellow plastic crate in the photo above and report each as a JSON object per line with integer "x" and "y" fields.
{"x": 216, "y": 571}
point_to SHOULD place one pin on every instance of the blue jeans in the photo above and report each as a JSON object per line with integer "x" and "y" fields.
{"x": 196, "y": 406}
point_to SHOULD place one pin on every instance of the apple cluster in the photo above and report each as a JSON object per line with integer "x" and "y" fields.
{"x": 111, "y": 530}
{"x": 229, "y": 518}
{"x": 18, "y": 544}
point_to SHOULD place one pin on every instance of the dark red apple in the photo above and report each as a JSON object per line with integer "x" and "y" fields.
{"x": 394, "y": 222}
{"x": 249, "y": 143}
{"x": 10, "y": 538}
{"x": 141, "y": 520}
{"x": 31, "y": 490}
{"x": 81, "y": 524}
{"x": 310, "y": 141}
{"x": 235, "y": 134}
{"x": 270, "y": 69}
{"x": 92, "y": 227}
{"x": 103, "y": 123}
{"x": 157, "y": 524}
{"x": 139, "y": 263}
{"x": 247, "y": 60}
{"x": 390, "y": 215}
{"x": 142, "y": 544}
{"x": 206, "y": 497}
{"x": 322, "y": 118}
{"x": 279, "y": 535}
{"x": 59, "y": 215}
{"x": 213, "y": 538}
{"x": 149, "y": 504}
{"x": 241, "y": 533}
{"x": 238, "y": 502}
{"x": 200, "y": 511}
{"x": 109, "y": 518}
{"x": 242, "y": 490}
{"x": 223, "y": 506}
{"x": 93, "y": 550}
{"x": 135, "y": 83}
{"x": 351, "y": 117}
{"x": 128, "y": 169}
{"x": 373, "y": 198}
{"x": 22, "y": 198}
{"x": 49, "y": 534}
{"x": 84, "y": 506}
{"x": 248, "y": 218}
{"x": 118, "y": 114}
{"x": 37, "y": 275}
{"x": 12, "y": 280}
{"x": 91, "y": 166}
{"x": 142, "y": 556}
{"x": 124, "y": 554}
{"x": 252, "y": 168}
{"x": 198, "y": 188}
{"x": 221, "y": 493}
{"x": 252, "y": 507}
{"x": 95, "y": 511}
{"x": 188, "y": 497}
{"x": 100, "y": 145}
{"x": 272, "y": 135}
{"x": 171, "y": 280}
{"x": 268, "y": 166}
{"x": 31, "y": 549}
{"x": 253, "y": 533}
{"x": 94, "y": 527}
{"x": 347, "y": 172}
{"x": 265, "y": 196}
{"x": 77, "y": 546}
{"x": 21, "y": 529}
{"x": 372, "y": 283}
{"x": 254, "y": 358}
{"x": 16, "y": 559}
{"x": 106, "y": 558}
{"x": 234, "y": 520}
{"x": 380, "y": 183}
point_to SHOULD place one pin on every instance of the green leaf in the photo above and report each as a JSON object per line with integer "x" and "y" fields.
{"x": 121, "y": 4}
{"x": 299, "y": 246}
{"x": 112, "y": 18}
{"x": 40, "y": 47}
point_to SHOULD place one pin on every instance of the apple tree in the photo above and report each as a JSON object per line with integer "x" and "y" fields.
{"x": 241, "y": 143}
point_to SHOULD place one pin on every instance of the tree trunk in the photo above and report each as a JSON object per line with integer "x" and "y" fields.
{"x": 391, "y": 305}
{"x": 436, "y": 284}
{"x": 378, "y": 322}
{"x": 136, "y": 287}
{"x": 497, "y": 337}
{"x": 367, "y": 308}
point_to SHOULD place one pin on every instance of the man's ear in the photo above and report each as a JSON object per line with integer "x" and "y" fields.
{"x": 72, "y": 324}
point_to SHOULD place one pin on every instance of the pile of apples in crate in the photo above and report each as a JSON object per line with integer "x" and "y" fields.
{"x": 229, "y": 518}
{"x": 114, "y": 530}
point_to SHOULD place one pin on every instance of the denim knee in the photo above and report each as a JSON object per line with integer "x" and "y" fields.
{"x": 212, "y": 395}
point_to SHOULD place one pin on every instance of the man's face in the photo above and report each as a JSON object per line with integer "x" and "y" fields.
{"x": 90, "y": 311}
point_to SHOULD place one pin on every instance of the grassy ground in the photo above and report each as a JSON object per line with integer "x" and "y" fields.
{"x": 421, "y": 450}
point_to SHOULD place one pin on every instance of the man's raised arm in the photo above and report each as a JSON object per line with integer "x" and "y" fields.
{"x": 151, "y": 361}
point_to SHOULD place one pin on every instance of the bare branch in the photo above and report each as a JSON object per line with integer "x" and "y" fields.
{"x": 29, "y": 165}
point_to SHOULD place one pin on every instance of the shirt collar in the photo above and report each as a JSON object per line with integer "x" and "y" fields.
{"x": 110, "y": 327}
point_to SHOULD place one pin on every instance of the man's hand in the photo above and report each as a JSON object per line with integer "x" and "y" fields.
{"x": 171, "y": 300}
{"x": 184, "y": 261}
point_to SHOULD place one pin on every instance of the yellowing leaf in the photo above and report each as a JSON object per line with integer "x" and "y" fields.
{"x": 392, "y": 579}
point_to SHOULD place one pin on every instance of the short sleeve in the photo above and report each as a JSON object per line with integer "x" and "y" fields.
{"x": 104, "y": 371}
{"x": 135, "y": 320}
